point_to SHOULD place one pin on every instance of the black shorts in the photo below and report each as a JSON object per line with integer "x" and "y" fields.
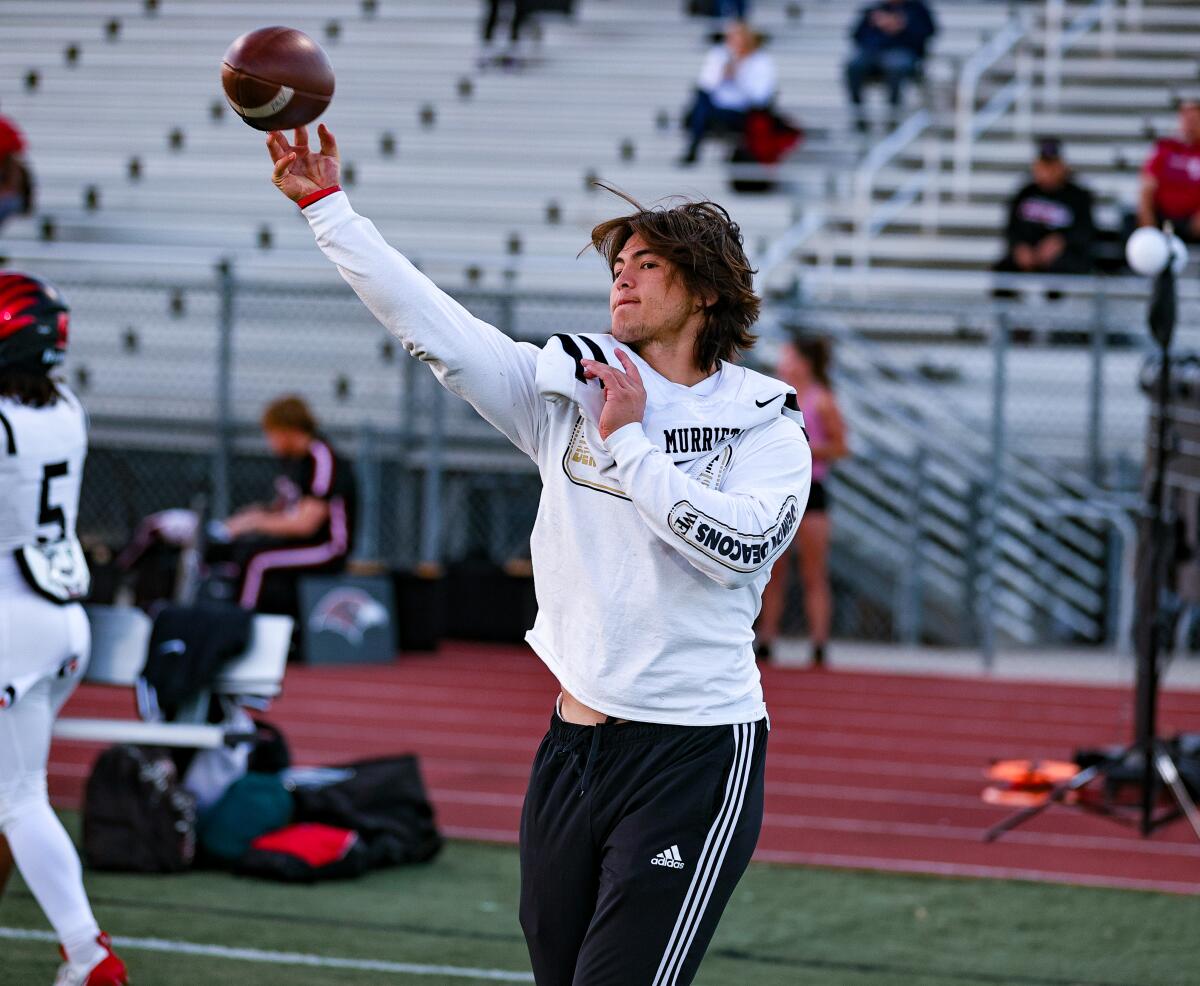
{"x": 818, "y": 498}
{"x": 633, "y": 837}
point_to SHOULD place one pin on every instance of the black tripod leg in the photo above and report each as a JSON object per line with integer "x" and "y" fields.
{"x": 1170, "y": 776}
{"x": 1057, "y": 793}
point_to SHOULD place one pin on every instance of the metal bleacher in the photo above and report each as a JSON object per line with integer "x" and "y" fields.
{"x": 1108, "y": 94}
{"x": 461, "y": 169}
{"x": 145, "y": 175}
{"x": 146, "y": 180}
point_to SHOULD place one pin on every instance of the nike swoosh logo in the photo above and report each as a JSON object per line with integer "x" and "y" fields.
{"x": 765, "y": 403}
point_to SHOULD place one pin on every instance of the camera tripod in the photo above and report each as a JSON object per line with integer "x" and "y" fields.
{"x": 1147, "y": 754}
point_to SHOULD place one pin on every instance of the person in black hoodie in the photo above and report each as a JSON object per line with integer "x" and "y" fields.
{"x": 1050, "y": 228}
{"x": 890, "y": 39}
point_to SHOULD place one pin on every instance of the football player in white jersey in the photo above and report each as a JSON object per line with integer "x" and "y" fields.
{"x": 44, "y": 634}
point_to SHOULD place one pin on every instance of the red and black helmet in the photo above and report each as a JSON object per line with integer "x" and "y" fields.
{"x": 33, "y": 322}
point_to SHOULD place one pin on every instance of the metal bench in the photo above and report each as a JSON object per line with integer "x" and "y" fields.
{"x": 120, "y": 639}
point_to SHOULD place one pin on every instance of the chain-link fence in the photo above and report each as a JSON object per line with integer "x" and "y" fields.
{"x": 1057, "y": 367}
{"x": 998, "y": 435}
{"x": 175, "y": 375}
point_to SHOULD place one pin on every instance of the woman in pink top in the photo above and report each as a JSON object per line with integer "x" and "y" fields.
{"x": 804, "y": 363}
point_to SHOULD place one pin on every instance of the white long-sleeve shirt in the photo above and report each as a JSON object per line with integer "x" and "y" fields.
{"x": 752, "y": 84}
{"x": 648, "y": 571}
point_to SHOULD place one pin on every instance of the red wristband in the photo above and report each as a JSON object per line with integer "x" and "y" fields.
{"x": 312, "y": 197}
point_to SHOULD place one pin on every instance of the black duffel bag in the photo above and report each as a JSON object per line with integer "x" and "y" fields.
{"x": 384, "y": 801}
{"x": 136, "y": 816}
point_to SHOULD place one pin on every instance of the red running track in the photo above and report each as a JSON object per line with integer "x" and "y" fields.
{"x": 865, "y": 770}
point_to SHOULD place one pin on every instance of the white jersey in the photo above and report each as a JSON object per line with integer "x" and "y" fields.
{"x": 41, "y": 468}
{"x": 651, "y": 550}
{"x": 41, "y": 463}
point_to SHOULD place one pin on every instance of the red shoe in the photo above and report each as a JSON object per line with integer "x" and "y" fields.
{"x": 109, "y": 971}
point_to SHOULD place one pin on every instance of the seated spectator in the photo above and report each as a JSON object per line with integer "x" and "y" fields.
{"x": 1170, "y": 189}
{"x": 518, "y": 12}
{"x": 890, "y": 41}
{"x": 16, "y": 182}
{"x": 262, "y": 550}
{"x": 1050, "y": 228}
{"x": 737, "y": 76}
{"x": 722, "y": 9}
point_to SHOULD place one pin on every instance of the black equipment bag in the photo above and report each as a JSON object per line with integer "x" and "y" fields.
{"x": 384, "y": 801}
{"x": 136, "y": 816}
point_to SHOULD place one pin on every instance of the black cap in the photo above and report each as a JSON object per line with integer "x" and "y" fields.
{"x": 1049, "y": 149}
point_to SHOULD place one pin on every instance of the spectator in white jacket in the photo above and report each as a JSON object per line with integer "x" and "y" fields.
{"x": 737, "y": 76}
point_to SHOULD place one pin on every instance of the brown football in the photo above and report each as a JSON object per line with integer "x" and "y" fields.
{"x": 276, "y": 78}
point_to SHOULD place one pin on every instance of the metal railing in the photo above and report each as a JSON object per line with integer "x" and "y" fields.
{"x": 871, "y": 218}
{"x": 1060, "y": 38}
{"x": 951, "y": 518}
{"x": 971, "y": 122}
{"x": 1133, "y": 14}
{"x": 784, "y": 247}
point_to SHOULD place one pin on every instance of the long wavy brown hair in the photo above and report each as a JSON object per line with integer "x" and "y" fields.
{"x": 705, "y": 246}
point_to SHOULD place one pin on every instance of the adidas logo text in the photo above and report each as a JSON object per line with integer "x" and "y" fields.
{"x": 669, "y": 858}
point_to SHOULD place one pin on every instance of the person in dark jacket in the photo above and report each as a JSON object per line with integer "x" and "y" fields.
{"x": 890, "y": 40}
{"x": 1050, "y": 227}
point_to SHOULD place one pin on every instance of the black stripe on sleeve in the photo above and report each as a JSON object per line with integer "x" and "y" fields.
{"x": 597, "y": 352}
{"x": 571, "y": 348}
{"x": 10, "y": 438}
{"x": 790, "y": 404}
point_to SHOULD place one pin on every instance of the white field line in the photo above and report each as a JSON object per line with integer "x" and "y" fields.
{"x": 286, "y": 958}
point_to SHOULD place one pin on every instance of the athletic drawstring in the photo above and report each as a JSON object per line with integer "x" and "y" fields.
{"x": 593, "y": 749}
{"x": 585, "y": 772}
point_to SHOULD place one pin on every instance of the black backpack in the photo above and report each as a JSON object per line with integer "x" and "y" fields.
{"x": 136, "y": 816}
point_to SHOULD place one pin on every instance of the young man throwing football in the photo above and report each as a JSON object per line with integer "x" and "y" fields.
{"x": 672, "y": 479}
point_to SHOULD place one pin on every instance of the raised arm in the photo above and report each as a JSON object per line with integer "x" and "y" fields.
{"x": 494, "y": 373}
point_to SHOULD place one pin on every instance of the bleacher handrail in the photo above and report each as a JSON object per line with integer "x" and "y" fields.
{"x": 869, "y": 219}
{"x": 1059, "y": 40}
{"x": 971, "y": 123}
{"x": 962, "y": 450}
{"x": 785, "y": 245}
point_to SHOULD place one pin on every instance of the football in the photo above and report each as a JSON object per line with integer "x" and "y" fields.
{"x": 276, "y": 78}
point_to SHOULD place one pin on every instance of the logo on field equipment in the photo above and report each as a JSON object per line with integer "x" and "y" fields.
{"x": 350, "y": 613}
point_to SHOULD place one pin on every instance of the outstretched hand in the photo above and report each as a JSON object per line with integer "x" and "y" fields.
{"x": 624, "y": 393}
{"x": 300, "y": 171}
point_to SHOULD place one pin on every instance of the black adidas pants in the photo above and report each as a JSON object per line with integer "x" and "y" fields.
{"x": 633, "y": 837}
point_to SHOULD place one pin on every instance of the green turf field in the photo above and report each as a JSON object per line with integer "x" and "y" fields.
{"x": 799, "y": 927}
